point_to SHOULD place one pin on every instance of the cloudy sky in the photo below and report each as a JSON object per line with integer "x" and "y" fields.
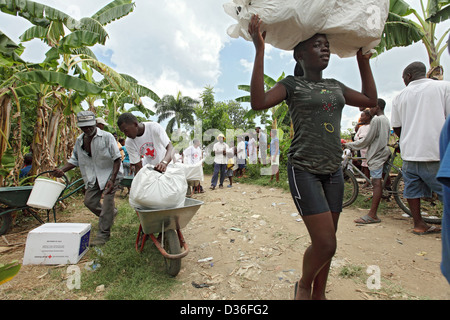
{"x": 182, "y": 45}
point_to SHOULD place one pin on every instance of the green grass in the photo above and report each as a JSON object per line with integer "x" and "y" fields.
{"x": 126, "y": 273}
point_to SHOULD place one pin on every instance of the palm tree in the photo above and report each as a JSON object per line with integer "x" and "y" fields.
{"x": 400, "y": 31}
{"x": 179, "y": 110}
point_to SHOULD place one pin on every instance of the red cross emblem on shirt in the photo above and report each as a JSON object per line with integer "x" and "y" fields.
{"x": 148, "y": 150}
{"x": 150, "y": 153}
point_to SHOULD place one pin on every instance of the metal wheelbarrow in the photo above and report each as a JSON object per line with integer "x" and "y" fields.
{"x": 15, "y": 199}
{"x": 167, "y": 223}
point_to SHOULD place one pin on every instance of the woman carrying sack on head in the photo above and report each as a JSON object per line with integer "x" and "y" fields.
{"x": 314, "y": 159}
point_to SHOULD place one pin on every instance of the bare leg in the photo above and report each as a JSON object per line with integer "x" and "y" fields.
{"x": 414, "y": 207}
{"x": 318, "y": 255}
{"x": 320, "y": 282}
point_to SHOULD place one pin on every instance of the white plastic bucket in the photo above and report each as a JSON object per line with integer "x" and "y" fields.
{"x": 45, "y": 193}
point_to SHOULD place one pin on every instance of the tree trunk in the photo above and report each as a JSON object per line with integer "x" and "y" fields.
{"x": 5, "y": 111}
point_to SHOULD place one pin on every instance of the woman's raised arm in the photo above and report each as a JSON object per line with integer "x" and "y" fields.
{"x": 368, "y": 96}
{"x": 259, "y": 99}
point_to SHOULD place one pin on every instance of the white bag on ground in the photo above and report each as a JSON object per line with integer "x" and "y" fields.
{"x": 349, "y": 24}
{"x": 151, "y": 189}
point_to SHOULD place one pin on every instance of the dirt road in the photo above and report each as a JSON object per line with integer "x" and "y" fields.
{"x": 251, "y": 242}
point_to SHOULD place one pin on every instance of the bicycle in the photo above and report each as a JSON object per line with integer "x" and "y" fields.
{"x": 431, "y": 207}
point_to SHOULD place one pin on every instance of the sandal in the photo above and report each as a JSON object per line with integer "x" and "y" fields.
{"x": 430, "y": 230}
{"x": 367, "y": 220}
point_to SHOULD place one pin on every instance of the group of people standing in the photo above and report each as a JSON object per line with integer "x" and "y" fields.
{"x": 230, "y": 161}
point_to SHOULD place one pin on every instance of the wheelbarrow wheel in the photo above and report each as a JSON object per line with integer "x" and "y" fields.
{"x": 5, "y": 222}
{"x": 172, "y": 246}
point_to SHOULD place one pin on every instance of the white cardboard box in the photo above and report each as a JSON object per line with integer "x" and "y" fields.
{"x": 57, "y": 243}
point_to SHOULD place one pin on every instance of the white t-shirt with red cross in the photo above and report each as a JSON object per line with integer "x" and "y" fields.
{"x": 192, "y": 155}
{"x": 151, "y": 145}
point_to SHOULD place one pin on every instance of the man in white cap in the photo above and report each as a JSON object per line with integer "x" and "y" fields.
{"x": 220, "y": 162}
{"x": 101, "y": 123}
{"x": 97, "y": 155}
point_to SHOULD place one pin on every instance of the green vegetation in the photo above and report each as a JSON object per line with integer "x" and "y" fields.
{"x": 126, "y": 273}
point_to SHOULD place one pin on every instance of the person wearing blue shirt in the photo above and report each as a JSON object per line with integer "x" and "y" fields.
{"x": 27, "y": 162}
{"x": 443, "y": 176}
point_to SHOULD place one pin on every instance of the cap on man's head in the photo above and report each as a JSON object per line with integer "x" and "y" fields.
{"x": 85, "y": 119}
{"x": 101, "y": 121}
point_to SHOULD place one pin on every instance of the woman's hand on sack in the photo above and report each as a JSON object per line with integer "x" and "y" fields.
{"x": 254, "y": 29}
{"x": 361, "y": 57}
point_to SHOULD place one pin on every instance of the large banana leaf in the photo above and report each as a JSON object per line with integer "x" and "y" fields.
{"x": 9, "y": 51}
{"x": 61, "y": 79}
{"x": 37, "y": 13}
{"x": 112, "y": 11}
{"x": 439, "y": 11}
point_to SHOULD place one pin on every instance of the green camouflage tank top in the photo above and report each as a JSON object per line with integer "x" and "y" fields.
{"x": 316, "y": 110}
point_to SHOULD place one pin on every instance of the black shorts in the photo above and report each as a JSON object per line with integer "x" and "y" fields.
{"x": 316, "y": 193}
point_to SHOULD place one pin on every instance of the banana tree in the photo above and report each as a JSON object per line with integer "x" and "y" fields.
{"x": 400, "y": 31}
{"x": 59, "y": 82}
{"x": 118, "y": 101}
{"x": 279, "y": 112}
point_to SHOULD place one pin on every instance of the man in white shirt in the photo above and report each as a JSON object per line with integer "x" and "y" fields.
{"x": 262, "y": 145}
{"x": 145, "y": 139}
{"x": 418, "y": 115}
{"x": 98, "y": 157}
{"x": 193, "y": 154}
{"x": 241, "y": 156}
{"x": 252, "y": 153}
{"x": 220, "y": 162}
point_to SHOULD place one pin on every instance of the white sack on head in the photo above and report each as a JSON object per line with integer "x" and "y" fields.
{"x": 286, "y": 22}
{"x": 356, "y": 24}
{"x": 349, "y": 24}
{"x": 151, "y": 189}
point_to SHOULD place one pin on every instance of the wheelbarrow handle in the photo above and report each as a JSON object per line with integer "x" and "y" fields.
{"x": 64, "y": 176}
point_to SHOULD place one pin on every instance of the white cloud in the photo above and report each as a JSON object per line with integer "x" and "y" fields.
{"x": 248, "y": 66}
{"x": 174, "y": 45}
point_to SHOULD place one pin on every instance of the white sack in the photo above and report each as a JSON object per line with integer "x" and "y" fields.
{"x": 151, "y": 189}
{"x": 356, "y": 24}
{"x": 286, "y": 22}
{"x": 193, "y": 172}
{"x": 349, "y": 24}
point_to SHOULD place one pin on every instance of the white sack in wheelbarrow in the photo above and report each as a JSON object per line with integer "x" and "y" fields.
{"x": 154, "y": 190}
{"x": 349, "y": 24}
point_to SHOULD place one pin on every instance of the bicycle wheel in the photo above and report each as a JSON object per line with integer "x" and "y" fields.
{"x": 351, "y": 188}
{"x": 431, "y": 208}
